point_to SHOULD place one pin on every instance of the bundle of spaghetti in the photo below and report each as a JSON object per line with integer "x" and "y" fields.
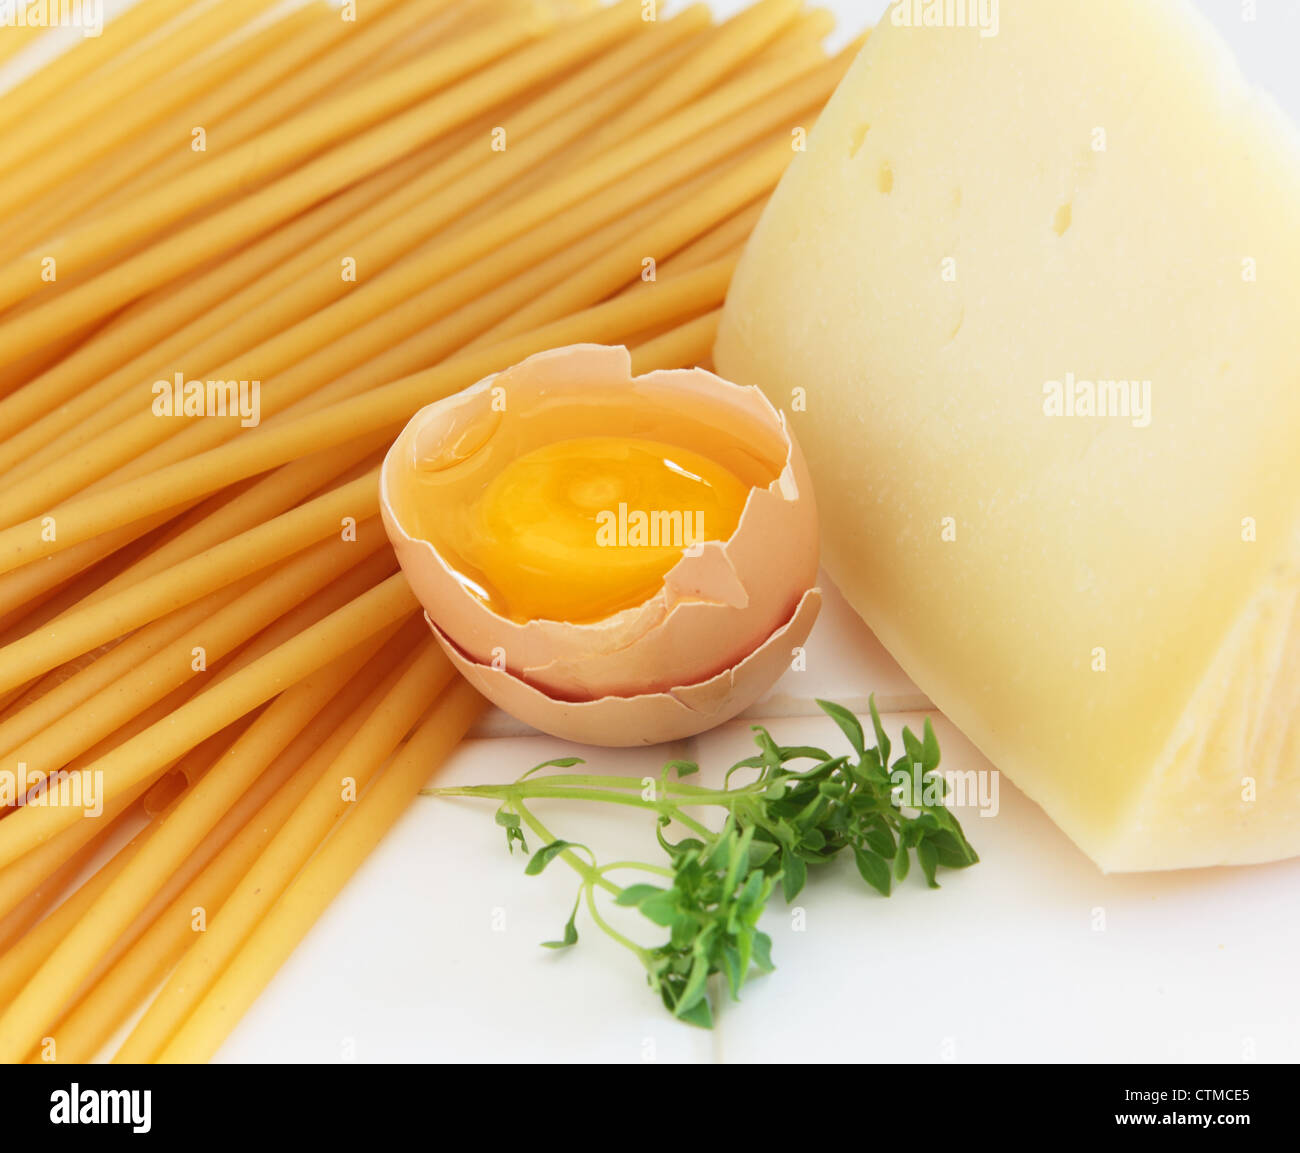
{"x": 146, "y": 126}
{"x": 379, "y": 251}
{"x": 26, "y": 102}
{"x": 146, "y": 337}
{"x": 135, "y": 693}
{"x": 58, "y": 120}
{"x": 78, "y": 954}
{"x": 459, "y": 254}
{"x": 316, "y": 268}
{"x": 278, "y": 934}
{"x": 204, "y": 616}
{"x": 383, "y": 138}
{"x": 332, "y": 57}
{"x": 377, "y": 238}
{"x": 18, "y": 963}
{"x": 210, "y": 875}
{"x": 422, "y": 680}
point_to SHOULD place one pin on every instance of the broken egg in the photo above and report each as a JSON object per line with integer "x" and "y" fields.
{"x": 614, "y": 560}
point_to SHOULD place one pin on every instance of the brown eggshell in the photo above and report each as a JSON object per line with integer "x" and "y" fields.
{"x": 717, "y": 604}
{"x": 651, "y": 718}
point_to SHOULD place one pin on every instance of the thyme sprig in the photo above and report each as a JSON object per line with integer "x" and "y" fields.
{"x": 799, "y": 807}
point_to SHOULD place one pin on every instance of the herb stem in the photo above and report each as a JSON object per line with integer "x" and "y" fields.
{"x": 514, "y": 794}
{"x": 640, "y": 867}
{"x": 591, "y": 877}
{"x": 610, "y": 931}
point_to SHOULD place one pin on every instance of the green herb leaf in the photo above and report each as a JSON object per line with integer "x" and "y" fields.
{"x": 558, "y": 763}
{"x": 570, "y": 929}
{"x": 929, "y": 748}
{"x": 928, "y": 858}
{"x": 849, "y": 725}
{"x": 545, "y": 855}
{"x": 882, "y": 741}
{"x": 874, "y": 870}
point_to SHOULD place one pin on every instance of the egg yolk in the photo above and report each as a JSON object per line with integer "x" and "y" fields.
{"x": 579, "y": 529}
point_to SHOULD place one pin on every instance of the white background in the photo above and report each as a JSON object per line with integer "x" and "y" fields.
{"x": 432, "y": 952}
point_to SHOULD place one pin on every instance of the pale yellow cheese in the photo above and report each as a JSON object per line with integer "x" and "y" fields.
{"x": 1106, "y": 604}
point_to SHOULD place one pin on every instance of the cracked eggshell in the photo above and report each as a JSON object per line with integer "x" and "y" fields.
{"x": 720, "y": 608}
{"x": 651, "y": 718}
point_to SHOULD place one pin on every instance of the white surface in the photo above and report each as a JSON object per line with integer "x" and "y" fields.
{"x": 432, "y": 952}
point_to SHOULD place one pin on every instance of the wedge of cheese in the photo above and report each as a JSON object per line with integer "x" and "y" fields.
{"x": 1032, "y": 301}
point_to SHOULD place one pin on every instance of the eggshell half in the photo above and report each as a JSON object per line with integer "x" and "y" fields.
{"x": 647, "y": 719}
{"x": 719, "y": 606}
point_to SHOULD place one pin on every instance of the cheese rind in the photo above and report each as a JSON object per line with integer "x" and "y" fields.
{"x": 1105, "y": 604}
